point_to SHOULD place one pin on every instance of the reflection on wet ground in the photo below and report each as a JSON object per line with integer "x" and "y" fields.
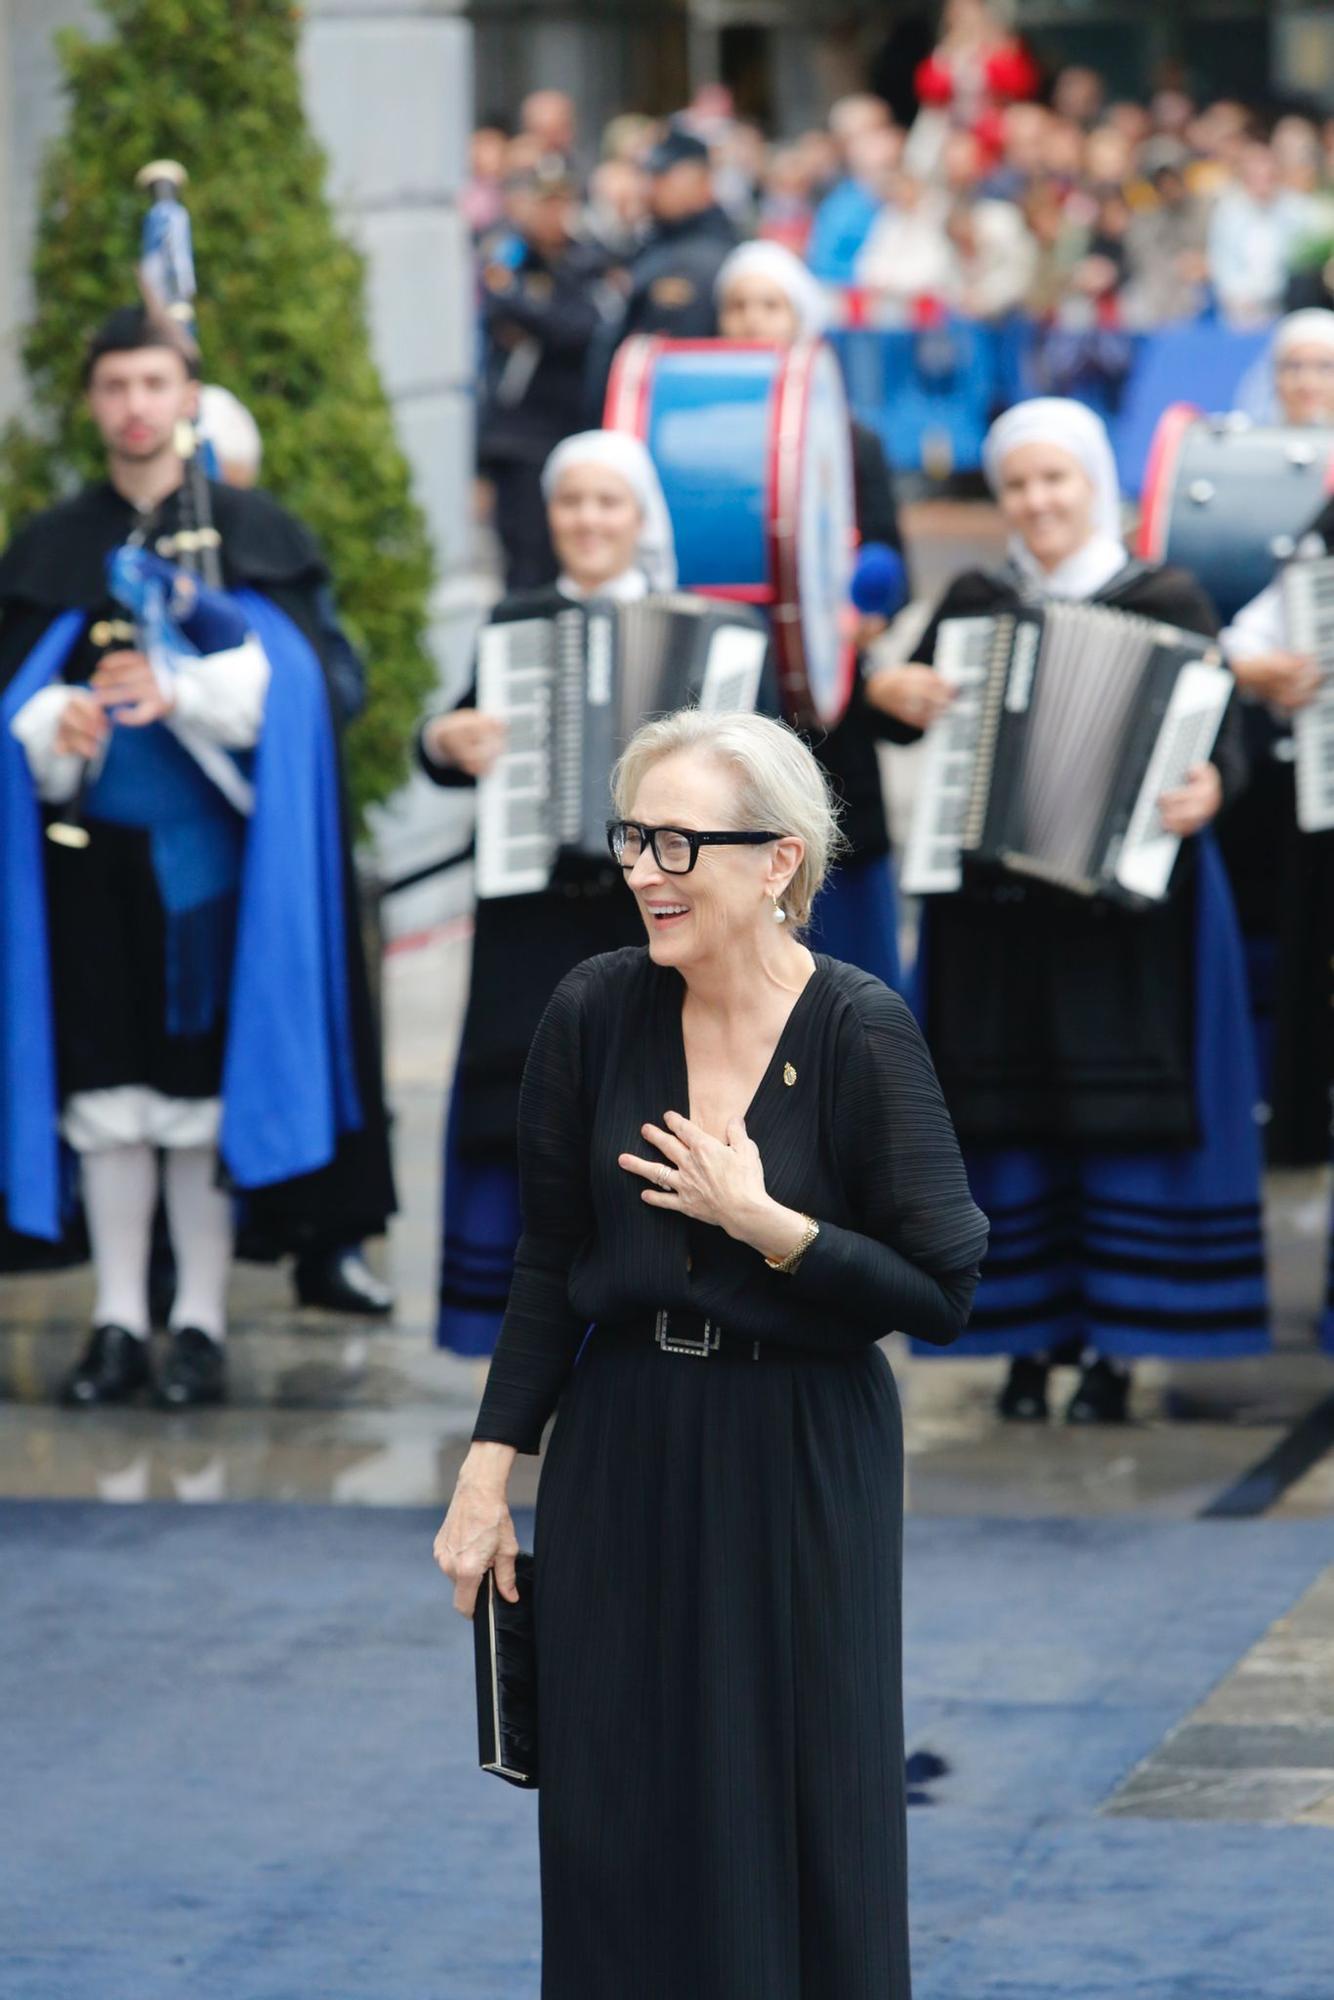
{"x": 329, "y": 1409}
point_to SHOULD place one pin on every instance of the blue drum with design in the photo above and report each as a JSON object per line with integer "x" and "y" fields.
{"x": 753, "y": 445}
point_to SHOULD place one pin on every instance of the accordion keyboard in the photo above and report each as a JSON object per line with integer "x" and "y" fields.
{"x": 931, "y": 862}
{"x": 1308, "y": 589}
{"x": 516, "y": 837}
{"x": 732, "y": 670}
{"x": 1187, "y": 736}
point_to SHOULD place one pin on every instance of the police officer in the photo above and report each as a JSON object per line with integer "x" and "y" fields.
{"x": 544, "y": 299}
{"x": 672, "y": 278}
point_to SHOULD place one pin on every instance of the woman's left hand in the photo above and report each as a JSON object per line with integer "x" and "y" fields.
{"x": 701, "y": 1177}
{"x": 1192, "y": 805}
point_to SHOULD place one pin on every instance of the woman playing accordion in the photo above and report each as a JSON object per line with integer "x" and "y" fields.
{"x": 613, "y": 537}
{"x": 1096, "y": 1058}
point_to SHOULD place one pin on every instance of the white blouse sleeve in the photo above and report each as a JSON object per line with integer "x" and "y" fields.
{"x": 1259, "y": 627}
{"x": 221, "y": 696}
{"x": 55, "y": 773}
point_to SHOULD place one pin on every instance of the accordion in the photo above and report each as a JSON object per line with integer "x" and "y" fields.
{"x": 1068, "y": 724}
{"x": 1308, "y": 595}
{"x": 573, "y": 688}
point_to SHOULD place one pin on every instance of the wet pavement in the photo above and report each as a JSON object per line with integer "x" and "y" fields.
{"x": 1121, "y": 1640}
{"x": 356, "y": 1412}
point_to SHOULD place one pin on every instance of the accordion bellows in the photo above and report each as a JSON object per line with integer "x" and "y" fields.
{"x": 506, "y": 1654}
{"x": 1069, "y": 723}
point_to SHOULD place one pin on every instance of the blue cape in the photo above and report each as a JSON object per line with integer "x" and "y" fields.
{"x": 289, "y": 1085}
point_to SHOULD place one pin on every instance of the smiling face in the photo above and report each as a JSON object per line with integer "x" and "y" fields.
{"x": 1046, "y": 498}
{"x": 1304, "y": 374}
{"x": 723, "y": 905}
{"x": 595, "y": 524}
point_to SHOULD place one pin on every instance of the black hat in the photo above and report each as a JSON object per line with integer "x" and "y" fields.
{"x": 673, "y": 149}
{"x": 133, "y": 327}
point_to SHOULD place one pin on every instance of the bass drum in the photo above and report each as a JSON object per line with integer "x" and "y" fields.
{"x": 754, "y": 449}
{"x": 1229, "y": 500}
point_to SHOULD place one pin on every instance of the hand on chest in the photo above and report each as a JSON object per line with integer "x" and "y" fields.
{"x": 712, "y": 1122}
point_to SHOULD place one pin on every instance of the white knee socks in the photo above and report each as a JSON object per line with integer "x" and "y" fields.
{"x": 119, "y": 1198}
{"x": 199, "y": 1216}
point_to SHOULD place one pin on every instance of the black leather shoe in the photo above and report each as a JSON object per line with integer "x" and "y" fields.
{"x": 1023, "y": 1400}
{"x": 114, "y": 1366}
{"x": 1101, "y": 1396}
{"x": 342, "y": 1281}
{"x": 195, "y": 1371}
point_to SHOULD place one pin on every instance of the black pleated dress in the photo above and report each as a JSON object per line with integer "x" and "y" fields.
{"x": 719, "y": 1539}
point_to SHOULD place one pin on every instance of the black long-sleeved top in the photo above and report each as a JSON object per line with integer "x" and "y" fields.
{"x": 859, "y": 1138}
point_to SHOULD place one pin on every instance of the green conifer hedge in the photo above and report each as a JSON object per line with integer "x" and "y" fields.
{"x": 214, "y": 84}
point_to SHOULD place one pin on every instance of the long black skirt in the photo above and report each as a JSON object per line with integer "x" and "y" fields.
{"x": 719, "y": 1565}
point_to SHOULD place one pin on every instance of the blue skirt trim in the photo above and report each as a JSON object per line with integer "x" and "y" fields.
{"x": 479, "y": 1235}
{"x": 856, "y": 918}
{"x": 1158, "y": 1253}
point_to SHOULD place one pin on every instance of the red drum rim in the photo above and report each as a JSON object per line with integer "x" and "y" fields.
{"x": 1160, "y": 478}
{"x": 625, "y": 407}
{"x": 787, "y": 453}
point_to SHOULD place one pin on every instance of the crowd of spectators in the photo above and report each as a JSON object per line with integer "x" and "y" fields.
{"x": 1008, "y": 200}
{"x": 1071, "y": 209}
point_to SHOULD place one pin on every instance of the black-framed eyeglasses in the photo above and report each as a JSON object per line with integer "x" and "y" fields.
{"x": 675, "y": 848}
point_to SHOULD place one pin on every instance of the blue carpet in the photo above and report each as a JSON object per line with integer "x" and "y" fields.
{"x": 238, "y": 1751}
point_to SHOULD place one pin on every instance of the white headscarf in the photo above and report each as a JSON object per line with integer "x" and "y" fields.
{"x": 621, "y": 453}
{"x": 770, "y": 260}
{"x": 1072, "y": 428}
{"x": 228, "y": 426}
{"x": 1313, "y": 327}
{"x": 1257, "y": 391}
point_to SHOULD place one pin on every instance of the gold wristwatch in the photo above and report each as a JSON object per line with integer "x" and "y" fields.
{"x": 795, "y": 1255}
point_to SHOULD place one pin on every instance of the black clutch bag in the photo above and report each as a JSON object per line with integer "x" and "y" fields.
{"x": 506, "y": 1647}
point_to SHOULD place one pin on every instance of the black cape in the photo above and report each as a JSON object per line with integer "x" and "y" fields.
{"x": 1053, "y": 1020}
{"x": 56, "y": 563}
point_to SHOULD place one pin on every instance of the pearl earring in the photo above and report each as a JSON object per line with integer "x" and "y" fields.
{"x": 780, "y": 914}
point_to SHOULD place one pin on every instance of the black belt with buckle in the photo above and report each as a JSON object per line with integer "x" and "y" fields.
{"x": 680, "y": 1332}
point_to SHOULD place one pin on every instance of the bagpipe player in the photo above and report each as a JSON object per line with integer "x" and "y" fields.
{"x": 186, "y": 1005}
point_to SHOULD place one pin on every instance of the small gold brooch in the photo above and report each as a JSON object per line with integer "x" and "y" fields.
{"x": 789, "y": 1074}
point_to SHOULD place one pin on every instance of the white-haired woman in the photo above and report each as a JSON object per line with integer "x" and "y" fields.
{"x": 1283, "y": 878}
{"x": 1097, "y": 1061}
{"x": 739, "y": 1171}
{"x": 613, "y": 538}
{"x": 764, "y": 293}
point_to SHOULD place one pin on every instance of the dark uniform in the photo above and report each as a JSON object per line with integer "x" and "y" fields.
{"x": 540, "y": 319}
{"x": 672, "y": 278}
